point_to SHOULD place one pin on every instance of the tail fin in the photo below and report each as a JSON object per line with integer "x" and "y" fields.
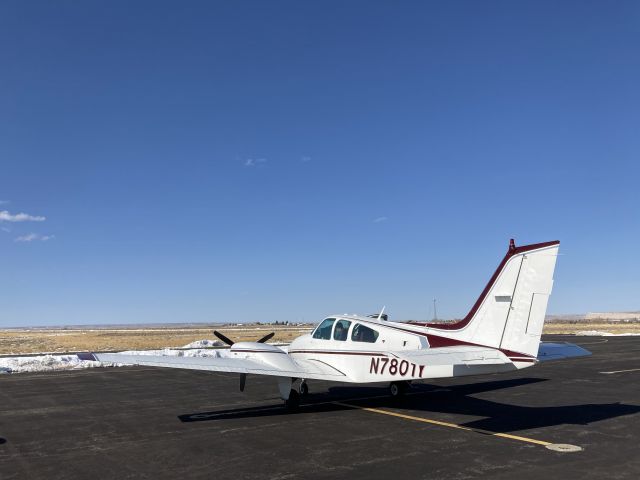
{"x": 509, "y": 314}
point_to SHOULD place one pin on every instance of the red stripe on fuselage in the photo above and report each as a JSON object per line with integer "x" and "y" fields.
{"x": 257, "y": 351}
{"x": 342, "y": 352}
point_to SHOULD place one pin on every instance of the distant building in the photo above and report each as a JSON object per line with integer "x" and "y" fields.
{"x": 613, "y": 316}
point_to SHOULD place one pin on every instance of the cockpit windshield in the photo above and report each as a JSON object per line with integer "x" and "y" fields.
{"x": 323, "y": 332}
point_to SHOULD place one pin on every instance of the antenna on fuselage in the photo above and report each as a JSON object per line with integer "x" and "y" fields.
{"x": 381, "y": 312}
{"x": 435, "y": 312}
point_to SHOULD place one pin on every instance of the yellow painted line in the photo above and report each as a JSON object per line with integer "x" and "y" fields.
{"x": 446, "y": 424}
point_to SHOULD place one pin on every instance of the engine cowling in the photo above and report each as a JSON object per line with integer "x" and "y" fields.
{"x": 269, "y": 354}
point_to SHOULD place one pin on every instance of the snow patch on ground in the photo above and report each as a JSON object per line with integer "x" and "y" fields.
{"x": 597, "y": 333}
{"x": 48, "y": 363}
{"x": 43, "y": 363}
{"x": 204, "y": 343}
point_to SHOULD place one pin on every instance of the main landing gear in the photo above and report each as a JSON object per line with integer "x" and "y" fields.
{"x": 398, "y": 389}
{"x": 293, "y": 402}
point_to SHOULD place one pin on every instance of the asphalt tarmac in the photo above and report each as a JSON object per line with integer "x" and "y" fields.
{"x": 157, "y": 423}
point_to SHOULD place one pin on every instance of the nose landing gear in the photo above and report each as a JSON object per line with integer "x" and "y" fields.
{"x": 304, "y": 388}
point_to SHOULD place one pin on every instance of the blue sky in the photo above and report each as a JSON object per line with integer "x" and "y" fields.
{"x": 261, "y": 161}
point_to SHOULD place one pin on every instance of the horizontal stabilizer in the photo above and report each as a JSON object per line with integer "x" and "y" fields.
{"x": 558, "y": 351}
{"x": 462, "y": 355}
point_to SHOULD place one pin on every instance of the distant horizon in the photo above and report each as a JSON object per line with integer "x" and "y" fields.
{"x": 265, "y": 322}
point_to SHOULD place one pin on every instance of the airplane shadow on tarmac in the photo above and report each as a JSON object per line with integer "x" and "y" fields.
{"x": 458, "y": 399}
{"x": 3, "y": 440}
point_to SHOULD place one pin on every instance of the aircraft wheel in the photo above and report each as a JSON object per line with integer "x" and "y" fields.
{"x": 304, "y": 389}
{"x": 397, "y": 389}
{"x": 293, "y": 402}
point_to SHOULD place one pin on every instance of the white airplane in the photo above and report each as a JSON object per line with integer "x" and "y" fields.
{"x": 501, "y": 333}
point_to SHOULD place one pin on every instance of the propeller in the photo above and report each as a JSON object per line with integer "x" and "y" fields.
{"x": 226, "y": 340}
{"x": 230, "y": 342}
{"x": 266, "y": 337}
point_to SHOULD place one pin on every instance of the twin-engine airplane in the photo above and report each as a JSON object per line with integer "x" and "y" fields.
{"x": 501, "y": 333}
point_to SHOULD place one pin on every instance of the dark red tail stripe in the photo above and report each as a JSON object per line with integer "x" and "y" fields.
{"x": 436, "y": 341}
{"x": 511, "y": 353}
{"x": 513, "y": 250}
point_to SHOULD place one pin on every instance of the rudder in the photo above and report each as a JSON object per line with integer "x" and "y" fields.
{"x": 528, "y": 308}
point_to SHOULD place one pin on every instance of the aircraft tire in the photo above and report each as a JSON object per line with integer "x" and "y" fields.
{"x": 397, "y": 389}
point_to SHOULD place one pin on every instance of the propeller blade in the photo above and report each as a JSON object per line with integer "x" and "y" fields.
{"x": 243, "y": 380}
{"x": 226, "y": 340}
{"x": 266, "y": 337}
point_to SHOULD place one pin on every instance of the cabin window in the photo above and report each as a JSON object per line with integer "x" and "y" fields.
{"x": 362, "y": 333}
{"x": 342, "y": 330}
{"x": 323, "y": 332}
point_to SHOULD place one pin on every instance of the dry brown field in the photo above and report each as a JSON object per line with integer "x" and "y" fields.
{"x": 608, "y": 327}
{"x": 24, "y": 341}
{"x": 16, "y": 341}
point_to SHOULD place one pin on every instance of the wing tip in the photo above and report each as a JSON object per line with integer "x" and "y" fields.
{"x": 87, "y": 356}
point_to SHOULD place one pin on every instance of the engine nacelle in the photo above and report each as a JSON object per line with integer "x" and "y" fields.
{"x": 268, "y": 354}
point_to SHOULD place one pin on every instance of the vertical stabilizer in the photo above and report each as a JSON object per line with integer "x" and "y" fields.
{"x": 509, "y": 314}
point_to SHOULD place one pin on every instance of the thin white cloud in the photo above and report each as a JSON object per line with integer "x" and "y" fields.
{"x": 4, "y": 202}
{"x": 6, "y": 229}
{"x": 5, "y": 216}
{"x": 30, "y": 237}
{"x": 252, "y": 162}
{"x": 380, "y": 219}
{"x": 305, "y": 159}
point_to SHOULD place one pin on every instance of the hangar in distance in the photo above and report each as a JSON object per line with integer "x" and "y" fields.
{"x": 501, "y": 333}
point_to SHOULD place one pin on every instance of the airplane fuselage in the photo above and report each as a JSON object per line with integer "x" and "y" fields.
{"x": 393, "y": 355}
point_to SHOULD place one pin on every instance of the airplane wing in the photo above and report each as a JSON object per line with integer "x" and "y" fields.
{"x": 558, "y": 351}
{"x": 298, "y": 369}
